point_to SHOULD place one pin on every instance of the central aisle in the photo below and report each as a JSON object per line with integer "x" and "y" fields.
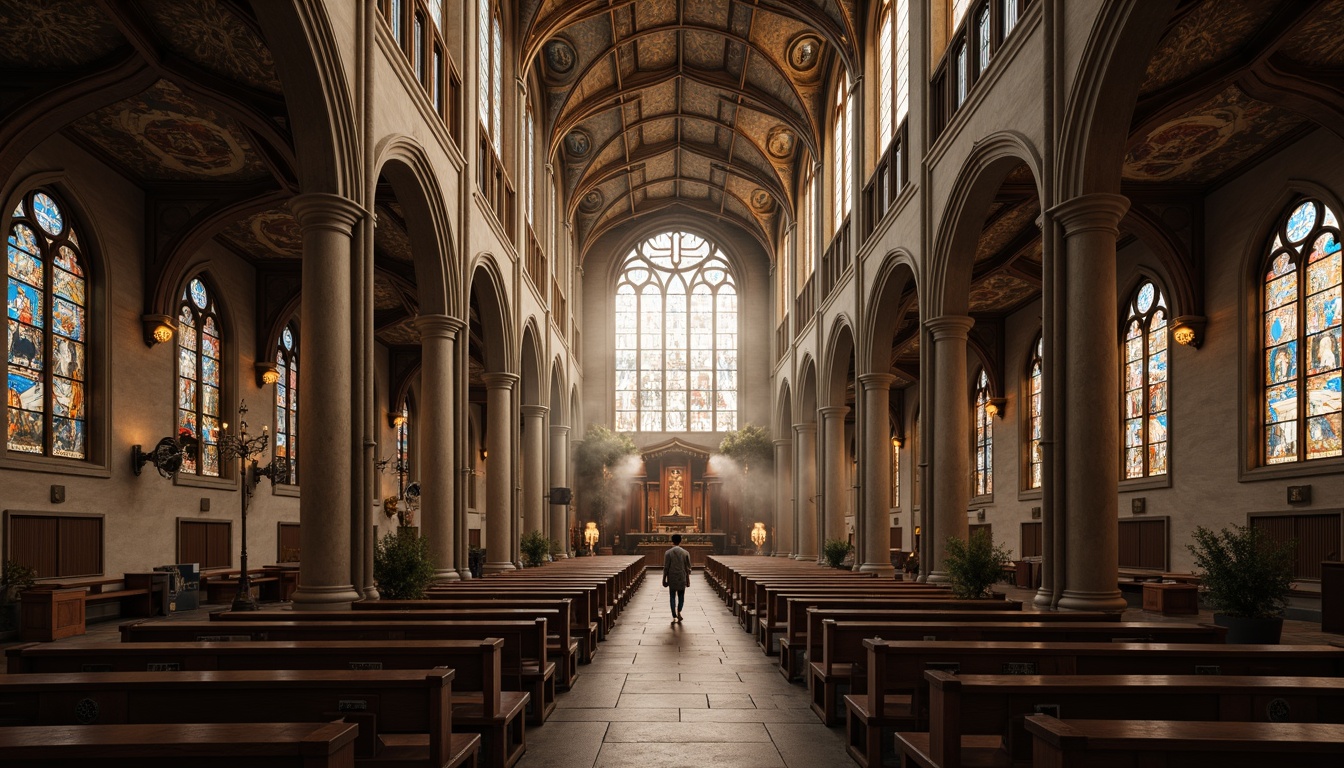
{"x": 699, "y": 693}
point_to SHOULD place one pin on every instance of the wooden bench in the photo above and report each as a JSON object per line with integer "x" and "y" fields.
{"x": 895, "y": 693}
{"x": 524, "y": 661}
{"x": 579, "y": 629}
{"x": 1145, "y": 743}
{"x": 772, "y": 612}
{"x": 587, "y": 610}
{"x": 405, "y": 716}
{"x": 978, "y": 719}
{"x": 201, "y": 745}
{"x": 479, "y": 703}
{"x": 222, "y": 586}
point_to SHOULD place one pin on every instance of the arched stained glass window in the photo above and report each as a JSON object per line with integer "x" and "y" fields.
{"x": 885, "y": 72}
{"x": 490, "y": 44}
{"x": 530, "y": 164}
{"x": 1034, "y": 415}
{"x": 676, "y": 337}
{"x": 47, "y": 303}
{"x": 895, "y": 472}
{"x": 403, "y": 422}
{"x": 199, "y": 352}
{"x": 287, "y": 403}
{"x": 984, "y": 438}
{"x": 1146, "y": 383}
{"x": 1302, "y": 337}
{"x": 843, "y": 160}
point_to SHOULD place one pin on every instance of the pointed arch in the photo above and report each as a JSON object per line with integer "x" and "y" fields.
{"x": 840, "y": 351}
{"x": 896, "y": 275}
{"x": 498, "y": 349}
{"x": 403, "y": 162}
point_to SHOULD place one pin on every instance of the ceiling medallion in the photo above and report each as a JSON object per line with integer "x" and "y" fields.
{"x": 577, "y": 143}
{"x": 560, "y": 56}
{"x": 804, "y": 51}
{"x": 779, "y": 142}
{"x": 592, "y": 202}
{"x": 761, "y": 201}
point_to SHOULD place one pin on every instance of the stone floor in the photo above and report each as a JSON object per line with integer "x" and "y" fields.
{"x": 699, "y": 693}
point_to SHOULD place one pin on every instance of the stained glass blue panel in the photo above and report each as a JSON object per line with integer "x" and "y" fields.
{"x": 1301, "y": 221}
{"x": 25, "y": 303}
{"x": 48, "y": 215}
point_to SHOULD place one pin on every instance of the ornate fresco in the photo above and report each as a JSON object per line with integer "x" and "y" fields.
{"x": 1206, "y": 34}
{"x": 1316, "y": 42}
{"x": 1005, "y": 226}
{"x": 211, "y": 34}
{"x": 386, "y": 297}
{"x": 59, "y": 34}
{"x": 162, "y": 135}
{"x": 390, "y": 238}
{"x": 1001, "y": 293}
{"x": 272, "y": 234}
{"x": 401, "y": 334}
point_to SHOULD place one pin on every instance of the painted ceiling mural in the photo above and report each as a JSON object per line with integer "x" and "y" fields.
{"x": 60, "y": 34}
{"x": 218, "y": 39}
{"x": 272, "y": 234}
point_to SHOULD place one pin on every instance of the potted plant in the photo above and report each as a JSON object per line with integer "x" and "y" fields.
{"x": 973, "y": 566}
{"x": 600, "y": 470}
{"x": 536, "y": 548}
{"x": 834, "y": 552}
{"x": 15, "y": 577}
{"x": 1245, "y": 577}
{"x": 402, "y": 566}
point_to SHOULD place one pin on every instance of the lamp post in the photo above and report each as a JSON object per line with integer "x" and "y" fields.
{"x": 246, "y": 450}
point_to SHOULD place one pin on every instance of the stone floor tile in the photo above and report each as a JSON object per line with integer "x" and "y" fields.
{"x": 687, "y": 733}
{"x": 678, "y": 700}
{"x": 810, "y": 746}
{"x": 563, "y": 743}
{"x": 751, "y": 755}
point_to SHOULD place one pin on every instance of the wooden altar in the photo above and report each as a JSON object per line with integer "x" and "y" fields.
{"x": 654, "y": 545}
{"x": 674, "y": 492}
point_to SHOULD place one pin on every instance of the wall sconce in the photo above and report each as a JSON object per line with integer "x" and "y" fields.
{"x": 1189, "y": 330}
{"x": 159, "y": 329}
{"x": 896, "y": 443}
{"x": 484, "y": 454}
{"x": 398, "y": 420}
{"x": 266, "y": 374}
{"x": 996, "y": 406}
{"x": 980, "y": 515}
{"x": 166, "y": 457}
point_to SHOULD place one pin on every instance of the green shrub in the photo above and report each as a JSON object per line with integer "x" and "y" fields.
{"x": 973, "y": 567}
{"x": 402, "y": 565}
{"x": 834, "y": 552}
{"x": 1244, "y": 572}
{"x": 15, "y": 577}
{"x": 536, "y": 547}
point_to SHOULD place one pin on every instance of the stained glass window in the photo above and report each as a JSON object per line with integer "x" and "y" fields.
{"x": 902, "y": 61}
{"x": 287, "y": 403}
{"x": 959, "y": 9}
{"x": 1034, "y": 415}
{"x": 490, "y": 66}
{"x": 893, "y": 69}
{"x": 884, "y": 75}
{"x": 982, "y": 39}
{"x": 484, "y": 78}
{"x": 47, "y": 320}
{"x": 199, "y": 356}
{"x": 676, "y": 337}
{"x": 984, "y": 438}
{"x": 843, "y": 160}
{"x": 1302, "y": 337}
{"x": 1009, "y": 17}
{"x": 530, "y": 163}
{"x": 1146, "y": 384}
{"x": 895, "y": 473}
{"x": 404, "y": 439}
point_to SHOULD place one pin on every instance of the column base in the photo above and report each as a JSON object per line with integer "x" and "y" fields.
{"x": 783, "y": 554}
{"x": 499, "y": 567}
{"x": 1077, "y": 600}
{"x": 883, "y": 570}
{"x": 937, "y": 577}
{"x": 1042, "y": 598}
{"x": 465, "y": 574}
{"x": 562, "y": 556}
{"x": 336, "y": 598}
{"x": 371, "y": 593}
{"x": 447, "y": 574}
{"x": 804, "y": 558}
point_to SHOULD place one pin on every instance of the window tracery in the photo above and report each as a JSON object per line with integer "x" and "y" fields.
{"x": 984, "y": 438}
{"x": 1034, "y": 415}
{"x": 287, "y": 404}
{"x": 199, "y": 355}
{"x": 1145, "y": 378}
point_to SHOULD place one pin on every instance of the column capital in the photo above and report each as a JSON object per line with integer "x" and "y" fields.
{"x": 559, "y": 430}
{"x": 833, "y": 411}
{"x": 320, "y": 210}
{"x": 782, "y": 442}
{"x": 534, "y": 411}
{"x": 876, "y": 381}
{"x": 1099, "y": 211}
{"x": 949, "y": 327}
{"x": 806, "y": 426}
{"x": 500, "y": 380}
{"x": 438, "y": 326}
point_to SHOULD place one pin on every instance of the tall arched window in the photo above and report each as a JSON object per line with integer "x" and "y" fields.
{"x": 1302, "y": 337}
{"x": 199, "y": 352}
{"x": 893, "y": 68}
{"x": 490, "y": 86}
{"x": 895, "y": 472}
{"x": 1034, "y": 415}
{"x": 843, "y": 161}
{"x": 676, "y": 337}
{"x": 47, "y": 304}
{"x": 1145, "y": 378}
{"x": 530, "y": 166}
{"x": 403, "y": 422}
{"x": 807, "y": 229}
{"x": 287, "y": 403}
{"x": 984, "y": 438}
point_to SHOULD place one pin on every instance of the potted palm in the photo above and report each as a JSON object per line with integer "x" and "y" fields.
{"x": 1245, "y": 577}
{"x": 975, "y": 565}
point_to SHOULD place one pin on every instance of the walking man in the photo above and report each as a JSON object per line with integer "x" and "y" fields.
{"x": 676, "y": 575}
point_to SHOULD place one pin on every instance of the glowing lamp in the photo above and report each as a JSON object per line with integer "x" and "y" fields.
{"x": 398, "y": 420}
{"x": 591, "y": 535}
{"x": 996, "y": 406}
{"x": 758, "y": 535}
{"x": 159, "y": 329}
{"x": 266, "y": 374}
{"x": 1188, "y": 330}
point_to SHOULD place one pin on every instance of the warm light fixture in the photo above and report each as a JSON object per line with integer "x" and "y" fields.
{"x": 398, "y": 420}
{"x": 996, "y": 406}
{"x": 896, "y": 442}
{"x": 484, "y": 454}
{"x": 1188, "y": 330}
{"x": 266, "y": 374}
{"x": 591, "y": 535}
{"x": 758, "y": 534}
{"x": 158, "y": 329}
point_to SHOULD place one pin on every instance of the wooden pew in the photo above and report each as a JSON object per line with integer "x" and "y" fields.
{"x": 403, "y": 715}
{"x": 978, "y": 719}
{"x": 1145, "y": 743}
{"x": 524, "y": 661}
{"x": 201, "y": 745}
{"x": 588, "y": 618}
{"x": 479, "y": 703}
{"x": 896, "y": 695}
{"x": 771, "y": 613}
{"x": 598, "y": 592}
{"x": 580, "y": 628}
{"x": 557, "y": 625}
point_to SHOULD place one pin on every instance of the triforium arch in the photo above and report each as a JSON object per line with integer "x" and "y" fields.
{"x": 402, "y": 162}
{"x": 888, "y": 309}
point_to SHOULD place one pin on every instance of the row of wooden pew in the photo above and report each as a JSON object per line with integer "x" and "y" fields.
{"x": 450, "y": 680}
{"x": 917, "y": 675}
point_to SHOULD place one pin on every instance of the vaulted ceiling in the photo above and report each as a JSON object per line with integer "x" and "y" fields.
{"x": 699, "y": 107}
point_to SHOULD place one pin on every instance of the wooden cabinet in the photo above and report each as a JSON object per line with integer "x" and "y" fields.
{"x": 1171, "y": 599}
{"x": 50, "y": 614}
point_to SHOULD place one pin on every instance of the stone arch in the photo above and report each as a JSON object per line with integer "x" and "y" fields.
{"x": 1181, "y": 286}
{"x": 783, "y": 410}
{"x": 979, "y": 180}
{"x": 886, "y": 310}
{"x": 559, "y": 408}
{"x": 402, "y": 161}
{"x": 840, "y": 351}
{"x": 529, "y": 365}
{"x": 575, "y": 414}
{"x": 805, "y": 409}
{"x": 487, "y": 292}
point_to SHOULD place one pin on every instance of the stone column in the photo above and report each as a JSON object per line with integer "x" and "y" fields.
{"x": 499, "y": 472}
{"x": 805, "y": 495}
{"x": 1091, "y": 404}
{"x": 534, "y": 468}
{"x": 437, "y": 460}
{"x": 326, "y": 431}
{"x": 951, "y": 429}
{"x": 835, "y": 457}
{"x": 875, "y": 512}
{"x": 559, "y": 529}
{"x": 785, "y": 521}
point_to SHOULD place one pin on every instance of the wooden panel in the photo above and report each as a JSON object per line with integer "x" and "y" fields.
{"x": 1316, "y": 537}
{"x": 208, "y": 542}
{"x": 1143, "y": 543}
{"x": 80, "y": 546}
{"x": 287, "y": 548}
{"x": 1031, "y": 540}
{"x": 32, "y": 541}
{"x": 986, "y": 527}
{"x": 57, "y": 545}
{"x": 896, "y": 537}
